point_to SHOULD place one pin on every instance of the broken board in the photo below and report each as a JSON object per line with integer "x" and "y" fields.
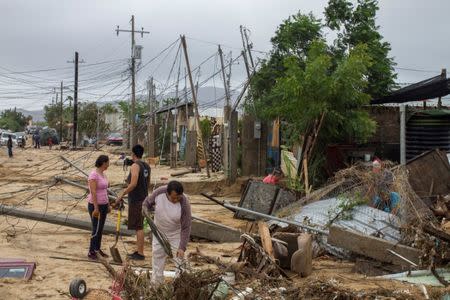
{"x": 435, "y": 164}
{"x": 264, "y": 198}
{"x": 372, "y": 247}
{"x": 258, "y": 197}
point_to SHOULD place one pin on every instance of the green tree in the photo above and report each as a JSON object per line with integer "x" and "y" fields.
{"x": 356, "y": 24}
{"x": 13, "y": 120}
{"x": 305, "y": 78}
{"x": 89, "y": 116}
{"x": 52, "y": 116}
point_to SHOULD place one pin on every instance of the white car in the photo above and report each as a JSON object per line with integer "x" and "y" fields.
{"x": 4, "y": 138}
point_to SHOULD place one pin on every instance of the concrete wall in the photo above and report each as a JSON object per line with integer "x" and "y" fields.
{"x": 115, "y": 122}
{"x": 252, "y": 148}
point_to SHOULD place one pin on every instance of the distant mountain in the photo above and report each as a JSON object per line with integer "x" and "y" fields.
{"x": 209, "y": 98}
{"x": 37, "y": 115}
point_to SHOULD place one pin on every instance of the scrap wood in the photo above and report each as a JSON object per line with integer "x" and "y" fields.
{"x": 266, "y": 239}
{"x": 201, "y": 257}
{"x": 440, "y": 234}
{"x": 254, "y": 254}
{"x": 372, "y": 247}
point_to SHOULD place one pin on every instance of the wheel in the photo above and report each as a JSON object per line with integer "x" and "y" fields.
{"x": 78, "y": 288}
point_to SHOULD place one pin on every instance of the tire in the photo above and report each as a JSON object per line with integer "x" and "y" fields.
{"x": 78, "y": 288}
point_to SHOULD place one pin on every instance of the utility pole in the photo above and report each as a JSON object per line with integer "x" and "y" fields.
{"x": 75, "y": 105}
{"x": 98, "y": 127}
{"x": 61, "y": 112}
{"x": 249, "y": 47}
{"x": 194, "y": 99}
{"x": 226, "y": 118}
{"x": 244, "y": 52}
{"x": 133, "y": 75}
{"x": 150, "y": 113}
{"x": 174, "y": 137}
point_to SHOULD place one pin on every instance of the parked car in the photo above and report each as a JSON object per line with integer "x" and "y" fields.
{"x": 21, "y": 138}
{"x": 4, "y": 138}
{"x": 47, "y": 133}
{"x": 114, "y": 139}
{"x": 32, "y": 129}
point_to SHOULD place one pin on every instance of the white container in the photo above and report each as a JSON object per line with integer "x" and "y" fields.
{"x": 366, "y": 157}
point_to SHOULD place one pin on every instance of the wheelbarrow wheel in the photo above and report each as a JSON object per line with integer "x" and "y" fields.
{"x": 78, "y": 288}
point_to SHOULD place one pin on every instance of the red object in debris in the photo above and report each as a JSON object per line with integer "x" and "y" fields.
{"x": 164, "y": 178}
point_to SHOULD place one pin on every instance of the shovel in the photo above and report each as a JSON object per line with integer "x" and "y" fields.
{"x": 115, "y": 254}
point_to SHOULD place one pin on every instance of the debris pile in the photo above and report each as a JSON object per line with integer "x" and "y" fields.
{"x": 188, "y": 285}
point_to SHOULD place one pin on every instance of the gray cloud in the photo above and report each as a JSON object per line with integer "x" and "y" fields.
{"x": 44, "y": 34}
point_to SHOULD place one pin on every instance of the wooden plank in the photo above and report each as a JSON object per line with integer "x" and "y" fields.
{"x": 440, "y": 234}
{"x": 435, "y": 164}
{"x": 266, "y": 240}
{"x": 372, "y": 247}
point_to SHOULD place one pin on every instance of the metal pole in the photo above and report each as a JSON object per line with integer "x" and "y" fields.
{"x": 75, "y": 105}
{"x": 402, "y": 134}
{"x": 61, "y": 112}
{"x": 133, "y": 89}
{"x": 264, "y": 216}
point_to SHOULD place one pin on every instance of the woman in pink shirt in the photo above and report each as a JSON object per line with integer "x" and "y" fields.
{"x": 98, "y": 204}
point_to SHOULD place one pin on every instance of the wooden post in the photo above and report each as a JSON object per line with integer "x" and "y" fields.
{"x": 233, "y": 158}
{"x": 194, "y": 99}
{"x": 266, "y": 239}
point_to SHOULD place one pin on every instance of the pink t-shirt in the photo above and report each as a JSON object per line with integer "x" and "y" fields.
{"x": 102, "y": 188}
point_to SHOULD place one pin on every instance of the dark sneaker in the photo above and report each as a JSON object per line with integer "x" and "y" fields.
{"x": 103, "y": 254}
{"x": 136, "y": 256}
{"x": 92, "y": 255}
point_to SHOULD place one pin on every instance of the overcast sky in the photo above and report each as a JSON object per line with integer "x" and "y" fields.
{"x": 43, "y": 34}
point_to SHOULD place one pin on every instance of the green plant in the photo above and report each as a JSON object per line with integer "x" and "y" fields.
{"x": 293, "y": 181}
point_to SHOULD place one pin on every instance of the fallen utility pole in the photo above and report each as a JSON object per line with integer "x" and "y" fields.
{"x": 201, "y": 228}
{"x": 264, "y": 216}
{"x": 59, "y": 220}
{"x": 110, "y": 192}
{"x": 81, "y": 186}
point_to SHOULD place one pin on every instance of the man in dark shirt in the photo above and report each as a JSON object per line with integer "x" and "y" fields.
{"x": 137, "y": 190}
{"x": 9, "y": 144}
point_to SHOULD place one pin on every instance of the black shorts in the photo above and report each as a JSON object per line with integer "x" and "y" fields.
{"x": 135, "y": 217}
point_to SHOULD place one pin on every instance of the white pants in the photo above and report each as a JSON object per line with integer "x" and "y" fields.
{"x": 159, "y": 257}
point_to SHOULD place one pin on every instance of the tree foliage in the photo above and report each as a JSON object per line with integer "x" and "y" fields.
{"x": 356, "y": 24}
{"x": 305, "y": 77}
{"x": 13, "y": 120}
{"x": 52, "y": 116}
{"x": 89, "y": 117}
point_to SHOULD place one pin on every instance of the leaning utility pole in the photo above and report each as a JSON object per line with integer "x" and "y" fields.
{"x": 75, "y": 104}
{"x": 133, "y": 75}
{"x": 244, "y": 52}
{"x": 194, "y": 99}
{"x": 249, "y": 47}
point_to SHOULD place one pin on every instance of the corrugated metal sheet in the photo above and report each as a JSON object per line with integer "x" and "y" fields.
{"x": 366, "y": 220}
{"x": 427, "y": 132}
{"x": 420, "y": 277}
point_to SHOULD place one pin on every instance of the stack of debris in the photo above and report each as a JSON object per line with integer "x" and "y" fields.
{"x": 382, "y": 217}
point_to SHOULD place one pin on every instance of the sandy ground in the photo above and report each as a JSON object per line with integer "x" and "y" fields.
{"x": 25, "y": 181}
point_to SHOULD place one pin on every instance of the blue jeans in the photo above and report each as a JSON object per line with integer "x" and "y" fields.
{"x": 97, "y": 226}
